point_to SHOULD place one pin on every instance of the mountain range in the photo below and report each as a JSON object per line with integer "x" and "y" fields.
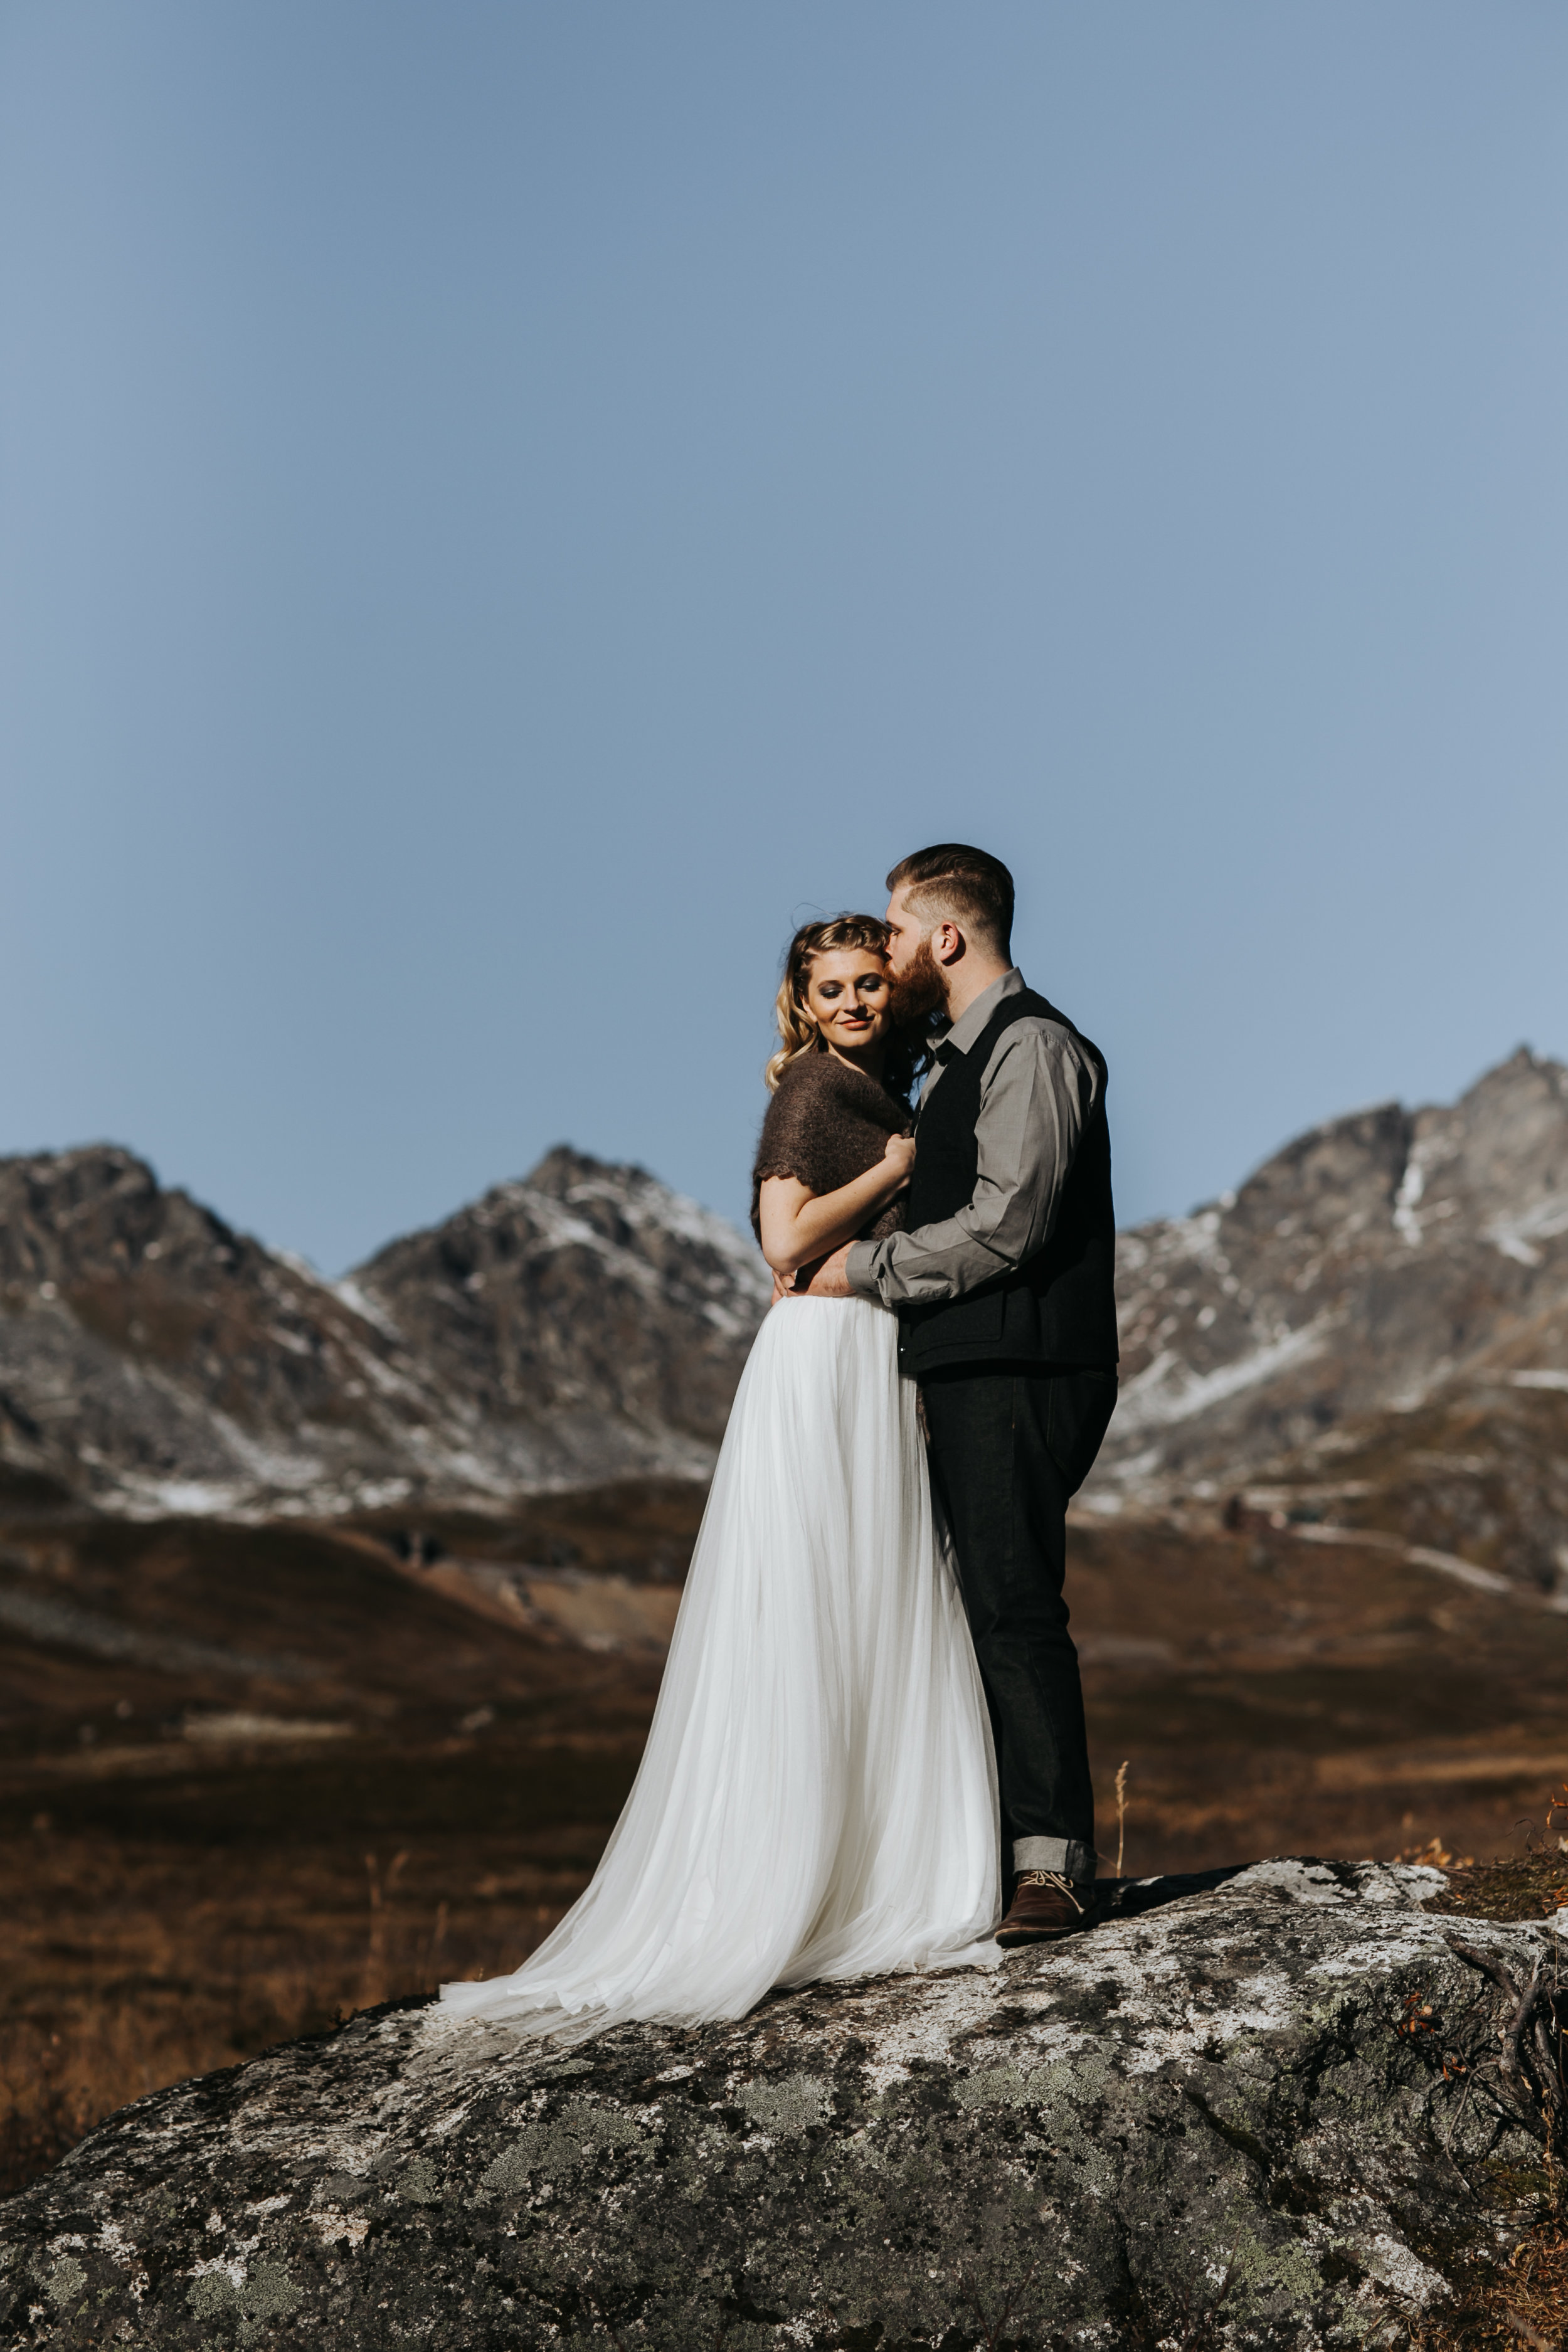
{"x": 1388, "y": 1278}
{"x": 583, "y": 1324}
{"x": 1378, "y": 1318}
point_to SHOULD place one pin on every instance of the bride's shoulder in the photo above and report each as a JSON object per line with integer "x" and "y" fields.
{"x": 820, "y": 1086}
{"x": 821, "y": 1083}
{"x": 803, "y": 1090}
{"x": 808, "y": 1073}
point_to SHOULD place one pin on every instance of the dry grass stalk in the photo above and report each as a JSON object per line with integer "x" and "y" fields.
{"x": 373, "y": 1982}
{"x": 1523, "y": 2310}
{"x": 1121, "y": 1812}
{"x": 1436, "y": 1855}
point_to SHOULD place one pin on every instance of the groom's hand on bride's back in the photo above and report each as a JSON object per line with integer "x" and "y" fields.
{"x": 825, "y": 1279}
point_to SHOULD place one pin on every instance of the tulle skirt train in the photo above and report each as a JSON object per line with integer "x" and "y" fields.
{"x": 817, "y": 1794}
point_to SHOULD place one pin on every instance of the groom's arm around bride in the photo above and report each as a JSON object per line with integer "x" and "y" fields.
{"x": 1003, "y": 1284}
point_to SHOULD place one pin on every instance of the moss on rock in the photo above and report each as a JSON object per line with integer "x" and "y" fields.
{"x": 1208, "y": 2121}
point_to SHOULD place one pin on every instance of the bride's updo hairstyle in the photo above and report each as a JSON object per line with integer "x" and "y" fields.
{"x": 797, "y": 1034}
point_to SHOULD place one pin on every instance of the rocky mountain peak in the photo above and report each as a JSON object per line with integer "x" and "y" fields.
{"x": 1339, "y": 1179}
{"x": 1370, "y": 1261}
{"x": 583, "y": 1290}
{"x": 581, "y": 1323}
{"x": 625, "y": 1209}
{"x": 71, "y": 1216}
{"x": 584, "y": 1321}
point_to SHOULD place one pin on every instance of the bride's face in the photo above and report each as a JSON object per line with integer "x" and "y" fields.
{"x": 847, "y": 997}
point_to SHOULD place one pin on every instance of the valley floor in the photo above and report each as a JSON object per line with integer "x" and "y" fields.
{"x": 252, "y": 1779}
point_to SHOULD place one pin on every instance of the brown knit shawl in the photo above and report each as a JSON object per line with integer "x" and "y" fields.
{"x": 827, "y": 1125}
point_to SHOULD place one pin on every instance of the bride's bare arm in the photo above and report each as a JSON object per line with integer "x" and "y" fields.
{"x": 799, "y": 1226}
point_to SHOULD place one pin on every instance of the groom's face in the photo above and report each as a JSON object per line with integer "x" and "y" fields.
{"x": 906, "y": 934}
{"x": 918, "y": 985}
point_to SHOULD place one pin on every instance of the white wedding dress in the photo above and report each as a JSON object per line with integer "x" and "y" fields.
{"x": 818, "y": 1797}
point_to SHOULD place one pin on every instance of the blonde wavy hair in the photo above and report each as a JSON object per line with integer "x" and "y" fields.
{"x": 798, "y": 1033}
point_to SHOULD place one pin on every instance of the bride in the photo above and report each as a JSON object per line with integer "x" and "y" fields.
{"x": 818, "y": 1796}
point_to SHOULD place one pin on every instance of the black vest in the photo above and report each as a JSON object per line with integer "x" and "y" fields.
{"x": 1059, "y": 1307}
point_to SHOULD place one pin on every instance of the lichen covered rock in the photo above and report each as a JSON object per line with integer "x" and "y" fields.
{"x": 1223, "y": 2115}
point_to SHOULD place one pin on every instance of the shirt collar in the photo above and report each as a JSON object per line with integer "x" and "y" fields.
{"x": 959, "y": 1034}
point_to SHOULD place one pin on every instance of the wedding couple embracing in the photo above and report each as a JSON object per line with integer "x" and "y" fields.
{"x": 871, "y": 1670}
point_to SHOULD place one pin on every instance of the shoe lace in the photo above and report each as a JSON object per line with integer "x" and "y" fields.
{"x": 1050, "y": 1878}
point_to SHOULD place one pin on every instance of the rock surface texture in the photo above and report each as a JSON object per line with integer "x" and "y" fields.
{"x": 1222, "y": 2117}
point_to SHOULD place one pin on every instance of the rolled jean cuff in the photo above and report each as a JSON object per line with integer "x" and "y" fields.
{"x": 1066, "y": 1857}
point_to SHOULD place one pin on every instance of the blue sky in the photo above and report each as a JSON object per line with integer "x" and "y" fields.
{"x": 508, "y": 508}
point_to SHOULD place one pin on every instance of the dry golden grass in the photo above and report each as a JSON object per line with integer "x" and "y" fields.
{"x": 126, "y": 1970}
{"x": 173, "y": 1905}
{"x": 1524, "y": 2310}
{"x": 175, "y": 1902}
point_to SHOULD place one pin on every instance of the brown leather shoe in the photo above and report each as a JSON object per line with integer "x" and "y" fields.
{"x": 1045, "y": 1906}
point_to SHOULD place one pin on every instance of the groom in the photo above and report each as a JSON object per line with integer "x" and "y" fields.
{"x": 1002, "y": 1287}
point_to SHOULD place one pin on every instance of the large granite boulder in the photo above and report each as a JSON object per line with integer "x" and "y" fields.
{"x": 1271, "y": 2108}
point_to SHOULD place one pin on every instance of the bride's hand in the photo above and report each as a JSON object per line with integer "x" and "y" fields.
{"x": 898, "y": 1158}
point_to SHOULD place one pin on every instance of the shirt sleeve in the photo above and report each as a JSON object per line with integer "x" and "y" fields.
{"x": 1035, "y": 1099}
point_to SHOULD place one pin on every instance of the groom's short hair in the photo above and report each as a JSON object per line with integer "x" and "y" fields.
{"x": 956, "y": 884}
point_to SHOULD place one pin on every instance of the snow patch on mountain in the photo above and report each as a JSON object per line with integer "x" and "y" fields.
{"x": 1168, "y": 1390}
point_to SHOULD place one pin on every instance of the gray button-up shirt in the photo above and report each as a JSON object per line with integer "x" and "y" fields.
{"x": 1037, "y": 1093}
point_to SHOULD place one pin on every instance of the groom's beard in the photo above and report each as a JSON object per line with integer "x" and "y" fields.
{"x": 916, "y": 990}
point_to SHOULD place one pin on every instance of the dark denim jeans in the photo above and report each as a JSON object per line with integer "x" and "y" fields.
{"x": 1008, "y": 1447}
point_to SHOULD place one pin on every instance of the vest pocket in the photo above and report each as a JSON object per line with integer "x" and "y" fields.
{"x": 972, "y": 1323}
{"x": 977, "y": 1322}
